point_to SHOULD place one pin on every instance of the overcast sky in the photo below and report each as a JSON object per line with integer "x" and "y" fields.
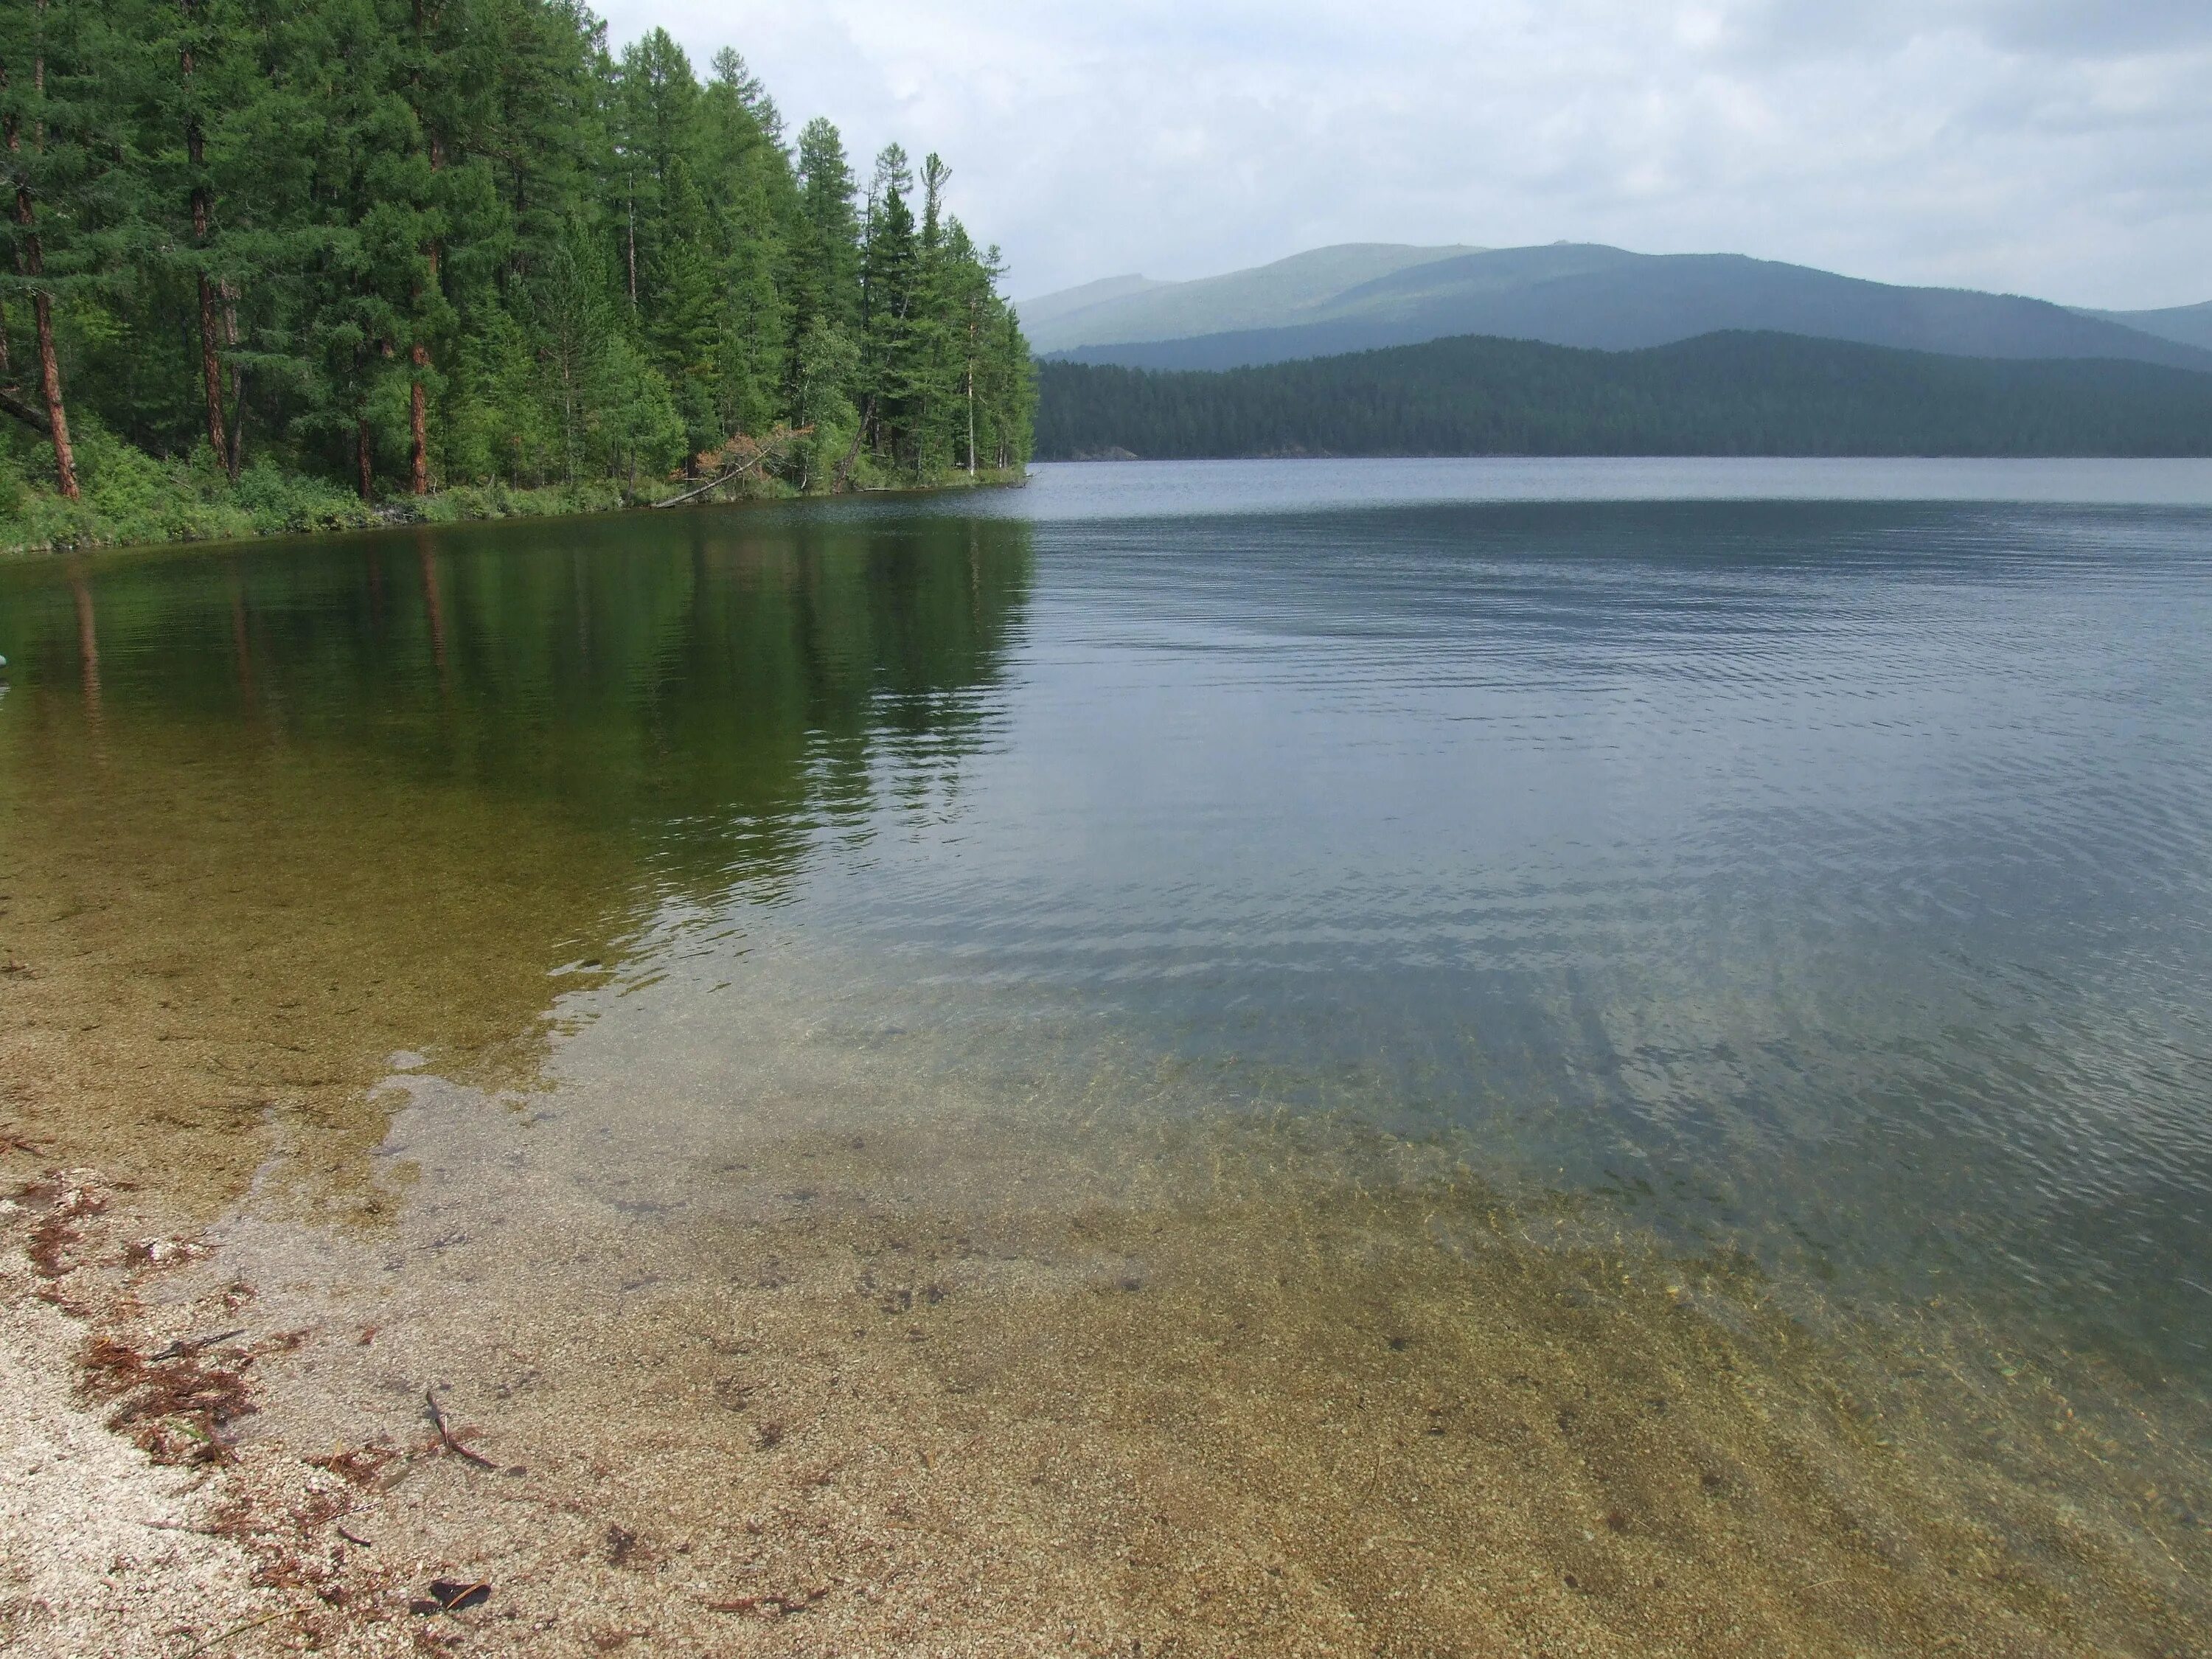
{"x": 2060, "y": 147}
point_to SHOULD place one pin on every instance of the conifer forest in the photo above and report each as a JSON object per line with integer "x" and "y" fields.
{"x": 288, "y": 263}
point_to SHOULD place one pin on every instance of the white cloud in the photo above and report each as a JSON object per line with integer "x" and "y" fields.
{"x": 2050, "y": 147}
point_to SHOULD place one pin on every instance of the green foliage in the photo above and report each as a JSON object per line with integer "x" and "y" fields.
{"x": 277, "y": 500}
{"x": 640, "y": 429}
{"x": 130, "y": 496}
{"x": 1720, "y": 394}
{"x": 501, "y": 501}
{"x": 354, "y": 250}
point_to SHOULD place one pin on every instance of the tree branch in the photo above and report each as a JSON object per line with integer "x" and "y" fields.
{"x": 11, "y": 404}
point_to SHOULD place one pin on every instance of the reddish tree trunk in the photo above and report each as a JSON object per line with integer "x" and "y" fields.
{"x": 211, "y": 371}
{"x": 237, "y": 458}
{"x": 418, "y": 465}
{"x": 418, "y": 426}
{"x": 363, "y": 453}
{"x": 50, "y": 386}
{"x": 42, "y": 314}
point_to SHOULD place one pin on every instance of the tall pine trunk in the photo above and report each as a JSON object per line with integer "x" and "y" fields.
{"x": 365, "y": 458}
{"x": 418, "y": 423}
{"x": 418, "y": 462}
{"x": 33, "y": 265}
{"x": 418, "y": 355}
{"x": 211, "y": 368}
{"x": 50, "y": 368}
{"x": 229, "y": 296}
{"x": 50, "y": 386}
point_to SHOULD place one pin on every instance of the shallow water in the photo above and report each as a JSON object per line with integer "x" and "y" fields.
{"x": 1803, "y": 871}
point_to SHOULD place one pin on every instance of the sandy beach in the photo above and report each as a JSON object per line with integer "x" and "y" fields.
{"x": 1389, "y": 1425}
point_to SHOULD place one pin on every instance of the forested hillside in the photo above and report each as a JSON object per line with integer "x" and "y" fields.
{"x": 269, "y": 261}
{"x": 1722, "y": 394}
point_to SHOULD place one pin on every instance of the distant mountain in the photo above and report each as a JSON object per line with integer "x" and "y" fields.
{"x": 1585, "y": 295}
{"x": 1721, "y": 394}
{"x": 2189, "y": 325}
{"x": 1289, "y": 291}
{"x": 1048, "y": 309}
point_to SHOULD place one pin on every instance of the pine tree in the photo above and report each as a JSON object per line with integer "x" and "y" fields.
{"x": 683, "y": 323}
{"x": 655, "y": 108}
{"x": 826, "y": 269}
{"x": 889, "y": 271}
{"x": 574, "y": 318}
{"x": 544, "y": 134}
{"x": 930, "y": 377}
{"x": 51, "y": 151}
{"x": 170, "y": 59}
{"x": 756, "y": 208}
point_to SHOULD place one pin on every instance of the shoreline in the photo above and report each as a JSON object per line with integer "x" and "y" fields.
{"x": 397, "y": 513}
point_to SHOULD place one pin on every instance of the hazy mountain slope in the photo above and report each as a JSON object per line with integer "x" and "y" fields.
{"x": 1721, "y": 394}
{"x": 2189, "y": 325}
{"x": 1049, "y": 308}
{"x": 1268, "y": 296}
{"x": 1586, "y": 295}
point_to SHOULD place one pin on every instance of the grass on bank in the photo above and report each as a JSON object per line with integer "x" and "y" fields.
{"x": 129, "y": 497}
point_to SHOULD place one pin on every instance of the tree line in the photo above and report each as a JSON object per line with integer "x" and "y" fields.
{"x": 409, "y": 244}
{"x": 1735, "y": 393}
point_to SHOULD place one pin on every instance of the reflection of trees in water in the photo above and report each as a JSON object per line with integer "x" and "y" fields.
{"x": 87, "y": 645}
{"x": 310, "y": 842}
{"x": 706, "y": 693}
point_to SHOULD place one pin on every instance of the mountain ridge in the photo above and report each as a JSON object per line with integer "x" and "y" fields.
{"x": 2189, "y": 324}
{"x": 1259, "y": 296}
{"x": 1590, "y": 294}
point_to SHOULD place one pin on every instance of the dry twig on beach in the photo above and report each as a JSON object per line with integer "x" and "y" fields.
{"x": 446, "y": 1436}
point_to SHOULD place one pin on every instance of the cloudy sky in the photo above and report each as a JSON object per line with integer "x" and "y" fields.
{"x": 2061, "y": 148}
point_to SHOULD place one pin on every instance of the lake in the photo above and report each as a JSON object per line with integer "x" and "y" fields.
{"x": 1397, "y": 1053}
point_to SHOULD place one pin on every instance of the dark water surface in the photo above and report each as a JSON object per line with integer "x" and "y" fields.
{"x": 1815, "y": 859}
